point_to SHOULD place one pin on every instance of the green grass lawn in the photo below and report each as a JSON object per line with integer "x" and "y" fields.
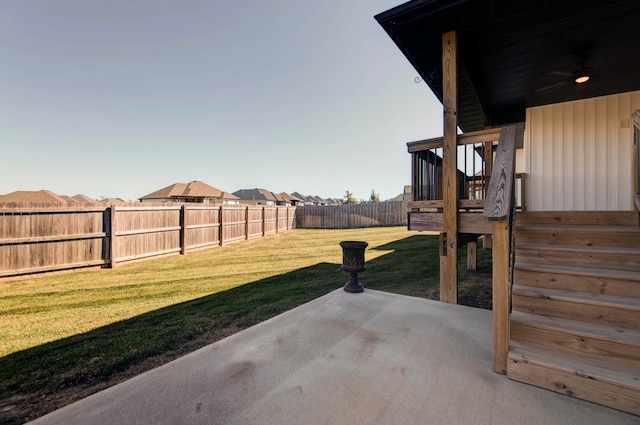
{"x": 64, "y": 336}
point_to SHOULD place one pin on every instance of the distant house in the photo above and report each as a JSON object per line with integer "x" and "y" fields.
{"x": 39, "y": 196}
{"x": 281, "y": 200}
{"x": 318, "y": 200}
{"x": 405, "y": 196}
{"x": 291, "y": 200}
{"x": 196, "y": 191}
{"x": 306, "y": 199}
{"x": 257, "y": 197}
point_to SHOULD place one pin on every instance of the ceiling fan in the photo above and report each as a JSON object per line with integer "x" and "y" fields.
{"x": 577, "y": 78}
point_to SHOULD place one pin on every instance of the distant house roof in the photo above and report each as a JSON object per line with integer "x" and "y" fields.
{"x": 290, "y": 198}
{"x": 194, "y": 189}
{"x": 112, "y": 200}
{"x": 255, "y": 195}
{"x": 278, "y": 197}
{"x": 40, "y": 196}
{"x": 82, "y": 198}
{"x": 305, "y": 199}
{"x": 319, "y": 200}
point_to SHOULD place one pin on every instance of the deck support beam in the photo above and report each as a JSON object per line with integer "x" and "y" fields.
{"x": 449, "y": 253}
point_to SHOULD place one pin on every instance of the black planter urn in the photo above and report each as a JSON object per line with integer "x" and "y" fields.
{"x": 353, "y": 263}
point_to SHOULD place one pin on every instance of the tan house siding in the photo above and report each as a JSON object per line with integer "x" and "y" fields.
{"x": 578, "y": 155}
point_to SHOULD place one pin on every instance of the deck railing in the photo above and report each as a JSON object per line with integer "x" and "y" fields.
{"x": 476, "y": 153}
{"x": 499, "y": 208}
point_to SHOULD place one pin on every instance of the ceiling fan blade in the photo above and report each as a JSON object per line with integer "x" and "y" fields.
{"x": 562, "y": 74}
{"x": 551, "y": 87}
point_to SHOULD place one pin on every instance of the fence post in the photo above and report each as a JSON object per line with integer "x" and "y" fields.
{"x": 221, "y": 221}
{"x": 264, "y": 220}
{"x": 246, "y": 223}
{"x": 112, "y": 237}
{"x": 277, "y": 219}
{"x": 183, "y": 230}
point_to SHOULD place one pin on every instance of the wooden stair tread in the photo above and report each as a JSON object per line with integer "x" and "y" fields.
{"x": 579, "y": 297}
{"x": 606, "y": 218}
{"x": 590, "y": 368}
{"x": 574, "y": 327}
{"x": 578, "y": 228}
{"x": 579, "y": 271}
{"x": 582, "y": 248}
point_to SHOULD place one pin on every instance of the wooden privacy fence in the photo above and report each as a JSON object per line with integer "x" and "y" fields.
{"x": 352, "y": 216}
{"x": 36, "y": 240}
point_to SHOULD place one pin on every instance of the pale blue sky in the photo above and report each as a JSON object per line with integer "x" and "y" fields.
{"x": 119, "y": 98}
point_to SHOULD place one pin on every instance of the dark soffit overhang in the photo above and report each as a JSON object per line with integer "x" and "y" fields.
{"x": 513, "y": 55}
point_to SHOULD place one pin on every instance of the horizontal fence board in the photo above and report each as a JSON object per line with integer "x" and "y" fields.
{"x": 51, "y": 268}
{"x": 146, "y": 231}
{"x": 149, "y": 254}
{"x": 202, "y": 226}
{"x": 29, "y": 240}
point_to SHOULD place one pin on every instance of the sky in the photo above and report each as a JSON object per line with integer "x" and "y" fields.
{"x": 120, "y": 98}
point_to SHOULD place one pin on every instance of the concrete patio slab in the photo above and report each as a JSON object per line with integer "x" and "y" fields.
{"x": 369, "y": 358}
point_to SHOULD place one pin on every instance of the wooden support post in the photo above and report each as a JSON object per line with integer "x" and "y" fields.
{"x": 277, "y": 219}
{"x": 264, "y": 220}
{"x": 488, "y": 165}
{"x": 636, "y": 155}
{"x": 449, "y": 261}
{"x": 500, "y": 296}
{"x": 112, "y": 238}
{"x": 487, "y": 241}
{"x": 183, "y": 230}
{"x": 472, "y": 255}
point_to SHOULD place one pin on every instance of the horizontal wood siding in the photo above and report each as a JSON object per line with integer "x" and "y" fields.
{"x": 578, "y": 155}
{"x": 40, "y": 239}
{"x": 352, "y": 216}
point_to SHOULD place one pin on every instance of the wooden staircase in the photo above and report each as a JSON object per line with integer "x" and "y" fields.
{"x": 575, "y": 320}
